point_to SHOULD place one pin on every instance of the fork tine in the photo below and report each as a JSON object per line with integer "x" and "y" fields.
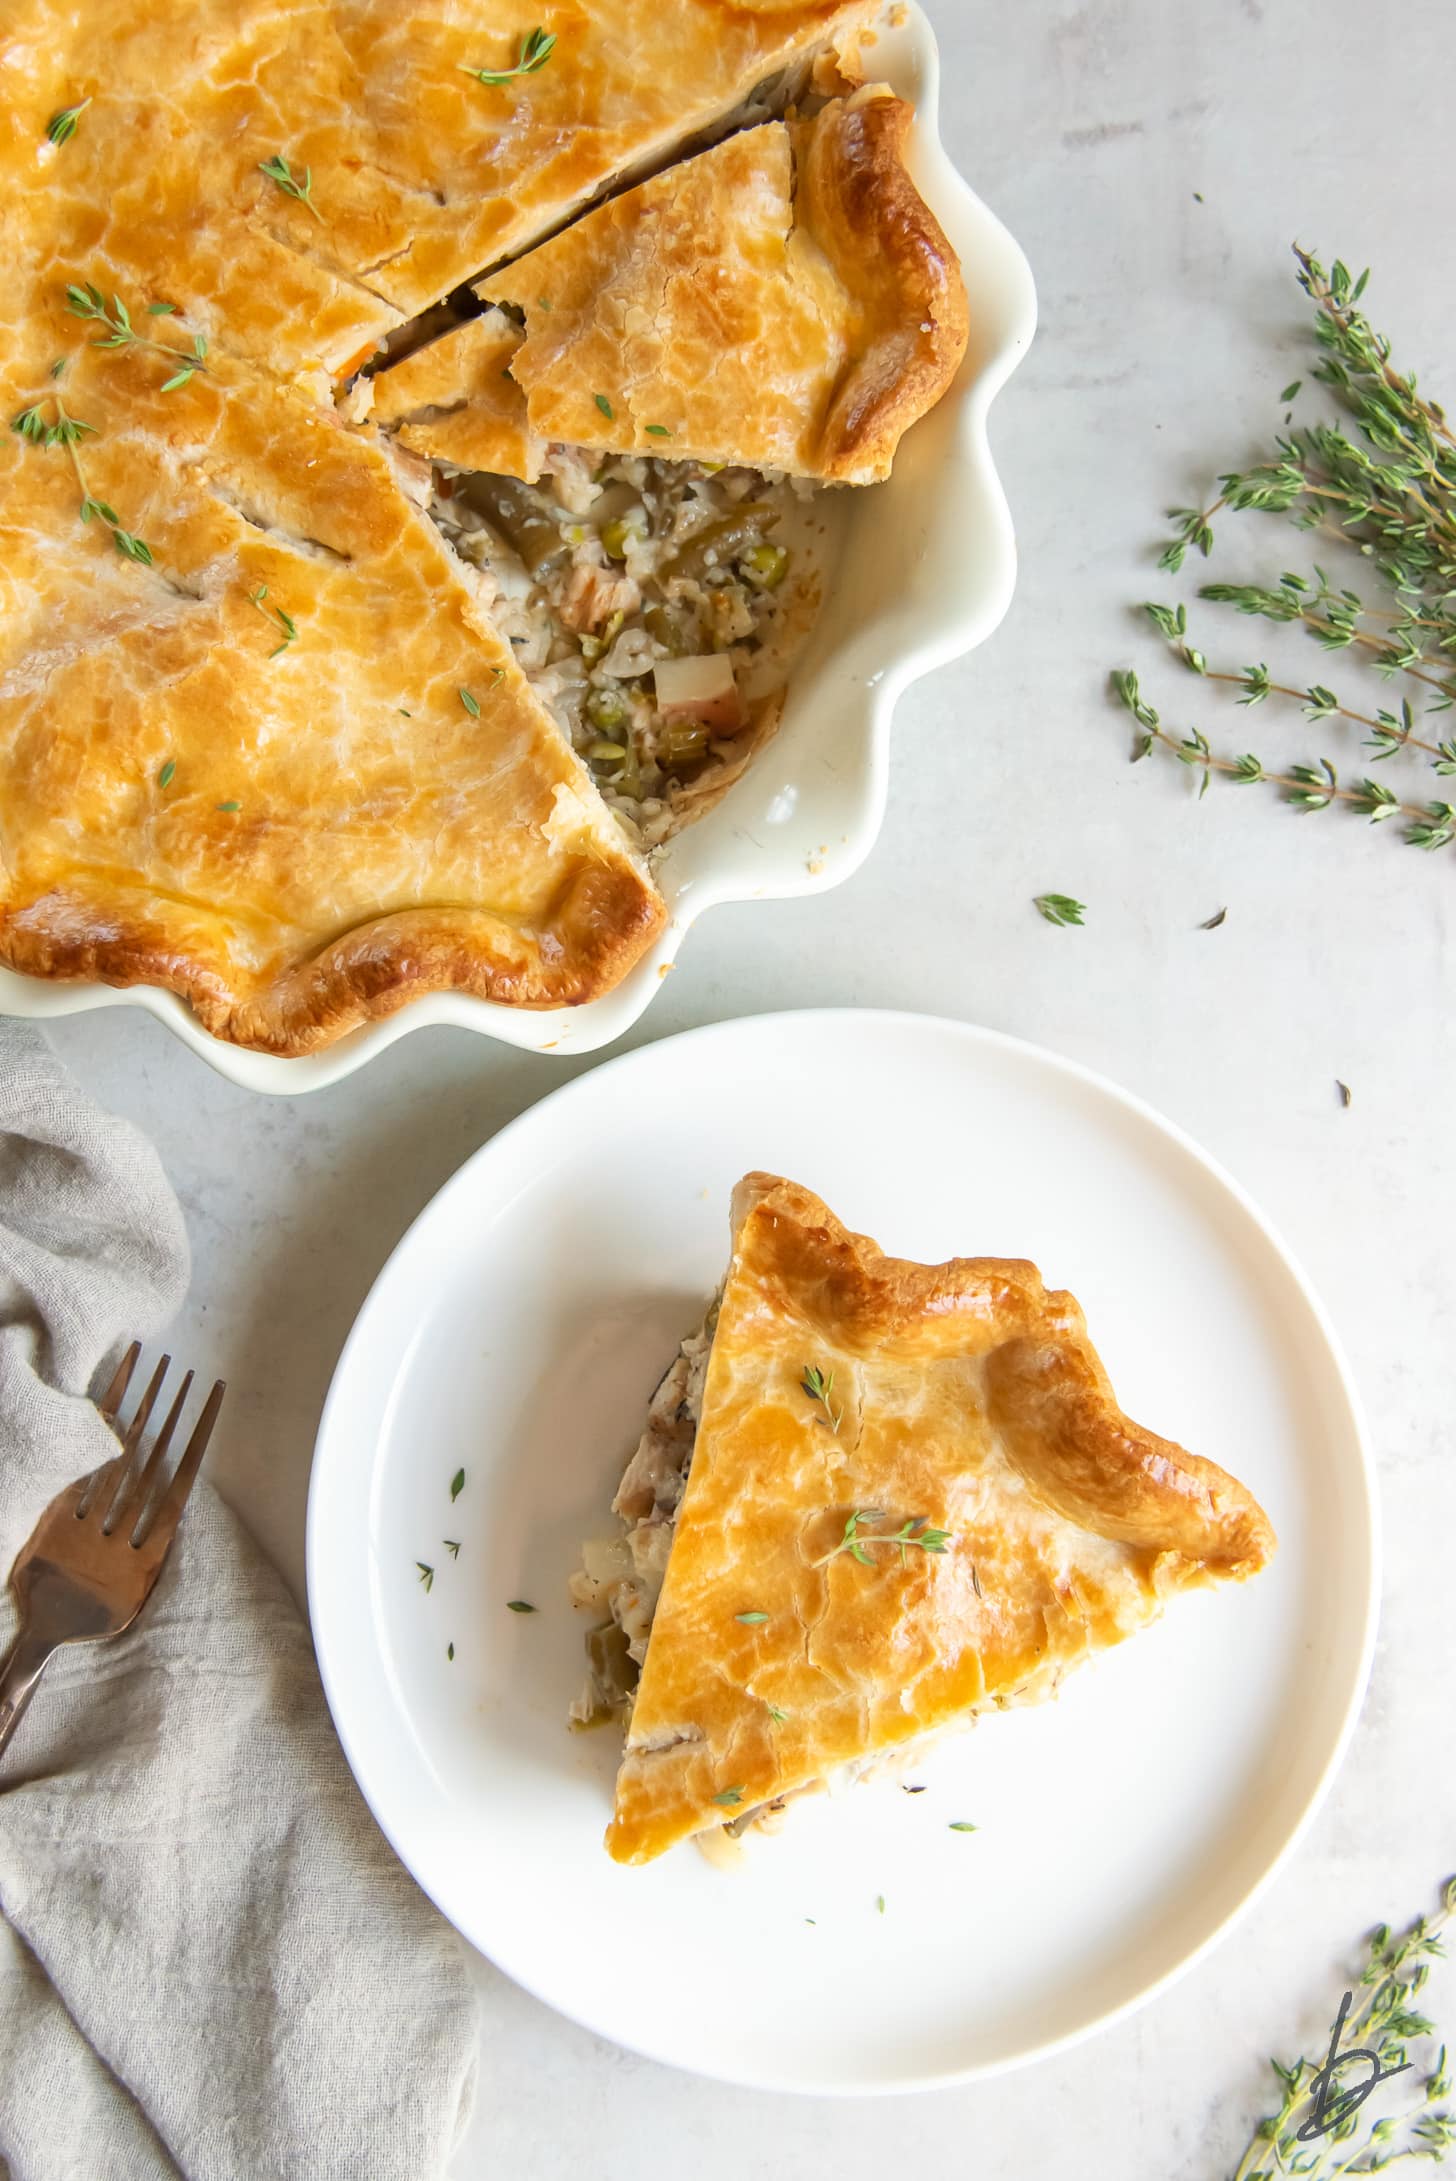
{"x": 115, "y": 1393}
{"x": 141, "y": 1491}
{"x": 108, "y": 1405}
{"x": 132, "y": 1441}
{"x": 174, "y": 1499}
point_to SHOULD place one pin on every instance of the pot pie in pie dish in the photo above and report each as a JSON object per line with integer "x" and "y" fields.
{"x": 425, "y": 441}
{"x": 873, "y": 1500}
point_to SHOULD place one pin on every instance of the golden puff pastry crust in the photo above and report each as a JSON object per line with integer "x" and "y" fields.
{"x": 784, "y": 300}
{"x": 455, "y": 401}
{"x": 964, "y": 1396}
{"x": 295, "y": 834}
{"x": 420, "y": 176}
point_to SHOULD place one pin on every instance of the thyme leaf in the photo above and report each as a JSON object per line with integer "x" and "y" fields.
{"x": 729, "y": 1798}
{"x": 1060, "y": 908}
{"x": 536, "y": 50}
{"x": 62, "y": 125}
{"x": 85, "y": 300}
{"x": 859, "y": 1543}
{"x": 427, "y": 1575}
{"x": 64, "y": 430}
{"x": 819, "y": 1386}
{"x": 278, "y": 171}
{"x": 275, "y": 614}
{"x": 519, "y": 1605}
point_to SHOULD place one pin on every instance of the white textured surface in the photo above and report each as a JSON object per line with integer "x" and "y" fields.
{"x": 1168, "y": 326}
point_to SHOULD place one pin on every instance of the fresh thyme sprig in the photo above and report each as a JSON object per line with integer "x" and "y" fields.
{"x": 536, "y": 50}
{"x": 87, "y": 301}
{"x": 279, "y": 171}
{"x": 1305, "y": 787}
{"x": 819, "y": 1386}
{"x": 1383, "y": 2019}
{"x": 857, "y": 1542}
{"x": 64, "y": 430}
{"x": 62, "y": 125}
{"x": 1389, "y": 732}
{"x": 277, "y": 616}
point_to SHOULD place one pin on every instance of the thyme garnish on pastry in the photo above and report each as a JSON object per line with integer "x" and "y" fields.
{"x": 279, "y": 171}
{"x": 64, "y": 430}
{"x": 87, "y": 301}
{"x": 536, "y": 50}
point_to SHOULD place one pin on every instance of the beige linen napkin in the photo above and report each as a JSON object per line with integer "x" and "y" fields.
{"x": 211, "y": 1964}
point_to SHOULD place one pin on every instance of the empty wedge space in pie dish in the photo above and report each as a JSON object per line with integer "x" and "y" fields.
{"x": 408, "y": 636}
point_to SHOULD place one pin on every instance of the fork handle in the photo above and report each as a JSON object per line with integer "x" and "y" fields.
{"x": 22, "y": 1670}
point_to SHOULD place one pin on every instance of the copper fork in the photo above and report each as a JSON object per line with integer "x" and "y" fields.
{"x": 93, "y": 1557}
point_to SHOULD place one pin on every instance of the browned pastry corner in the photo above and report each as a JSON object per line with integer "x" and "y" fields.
{"x": 785, "y": 300}
{"x": 963, "y": 1396}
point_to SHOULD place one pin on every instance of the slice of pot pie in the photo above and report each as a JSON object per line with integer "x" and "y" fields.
{"x": 625, "y": 441}
{"x": 284, "y": 763}
{"x": 873, "y": 1500}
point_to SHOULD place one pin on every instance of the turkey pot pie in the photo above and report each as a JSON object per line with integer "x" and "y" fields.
{"x": 873, "y": 1499}
{"x": 317, "y": 696}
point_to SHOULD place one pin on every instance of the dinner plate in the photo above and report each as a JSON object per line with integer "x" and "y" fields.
{"x": 498, "y": 1375}
{"x": 917, "y": 571}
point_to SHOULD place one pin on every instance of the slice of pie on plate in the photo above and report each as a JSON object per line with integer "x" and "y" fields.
{"x": 874, "y": 1499}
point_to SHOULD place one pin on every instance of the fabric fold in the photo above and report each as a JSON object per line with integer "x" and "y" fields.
{"x": 211, "y": 1963}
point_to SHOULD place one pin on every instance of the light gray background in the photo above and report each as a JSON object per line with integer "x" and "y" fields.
{"x": 1168, "y": 327}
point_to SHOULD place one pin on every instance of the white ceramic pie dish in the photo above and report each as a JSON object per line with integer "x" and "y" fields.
{"x": 924, "y": 568}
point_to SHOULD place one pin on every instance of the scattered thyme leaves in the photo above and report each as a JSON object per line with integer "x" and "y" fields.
{"x": 536, "y": 51}
{"x": 918, "y": 1789}
{"x": 879, "y": 1904}
{"x": 519, "y": 1605}
{"x": 1346, "y": 1094}
{"x": 470, "y": 703}
{"x": 278, "y": 171}
{"x": 819, "y": 1386}
{"x": 167, "y": 774}
{"x": 1211, "y": 923}
{"x": 450, "y": 1650}
{"x": 64, "y": 430}
{"x": 229, "y": 806}
{"x": 976, "y": 1580}
{"x": 452, "y": 1546}
{"x": 1061, "y": 908}
{"x": 84, "y": 300}
{"x": 275, "y": 614}
{"x": 605, "y": 406}
{"x": 963, "y": 1825}
{"x": 857, "y": 1541}
{"x": 751, "y": 1620}
{"x": 62, "y": 125}
{"x": 457, "y": 1485}
{"x": 778, "y": 1717}
{"x": 427, "y": 1575}
{"x": 658, "y": 431}
{"x": 730, "y": 1798}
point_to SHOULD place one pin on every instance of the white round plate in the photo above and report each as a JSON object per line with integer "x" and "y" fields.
{"x": 516, "y": 1334}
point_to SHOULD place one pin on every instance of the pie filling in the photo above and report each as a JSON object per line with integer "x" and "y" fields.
{"x": 654, "y": 605}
